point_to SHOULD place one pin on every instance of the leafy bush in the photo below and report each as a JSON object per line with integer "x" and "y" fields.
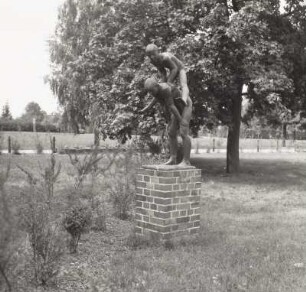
{"x": 45, "y": 239}
{"x": 77, "y": 221}
{"x": 48, "y": 247}
{"x": 46, "y": 182}
{"x": 50, "y": 175}
{"x": 88, "y": 164}
{"x": 35, "y": 218}
{"x": 99, "y": 219}
{"x": 122, "y": 183}
{"x": 122, "y": 196}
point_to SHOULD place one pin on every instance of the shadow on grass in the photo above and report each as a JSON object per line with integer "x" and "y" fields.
{"x": 280, "y": 168}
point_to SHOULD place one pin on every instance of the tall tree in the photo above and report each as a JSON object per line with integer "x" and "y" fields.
{"x": 6, "y": 113}
{"x": 33, "y": 110}
{"x": 99, "y": 63}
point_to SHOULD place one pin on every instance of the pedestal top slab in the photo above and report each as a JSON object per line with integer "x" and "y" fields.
{"x": 167, "y": 167}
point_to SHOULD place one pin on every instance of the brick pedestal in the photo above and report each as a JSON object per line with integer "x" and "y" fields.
{"x": 168, "y": 200}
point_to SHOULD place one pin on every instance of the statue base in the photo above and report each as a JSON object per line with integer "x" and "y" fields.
{"x": 168, "y": 200}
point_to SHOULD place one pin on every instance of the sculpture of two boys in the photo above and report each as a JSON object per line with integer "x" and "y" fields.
{"x": 175, "y": 101}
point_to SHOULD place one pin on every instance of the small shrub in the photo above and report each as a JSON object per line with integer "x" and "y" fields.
{"x": 45, "y": 239}
{"x": 35, "y": 218}
{"x": 122, "y": 183}
{"x": 48, "y": 247}
{"x": 99, "y": 219}
{"x": 50, "y": 175}
{"x": 46, "y": 182}
{"x": 15, "y": 147}
{"x": 122, "y": 197}
{"x": 88, "y": 164}
{"x": 77, "y": 221}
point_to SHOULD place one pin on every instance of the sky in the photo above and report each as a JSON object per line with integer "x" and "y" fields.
{"x": 25, "y": 27}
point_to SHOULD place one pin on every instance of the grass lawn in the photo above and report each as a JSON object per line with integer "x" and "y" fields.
{"x": 29, "y": 140}
{"x": 252, "y": 238}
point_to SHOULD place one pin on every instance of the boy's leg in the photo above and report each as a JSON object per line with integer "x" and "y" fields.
{"x": 172, "y": 135}
{"x": 184, "y": 85}
{"x": 184, "y": 131}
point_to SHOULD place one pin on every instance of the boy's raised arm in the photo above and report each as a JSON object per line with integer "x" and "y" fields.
{"x": 150, "y": 105}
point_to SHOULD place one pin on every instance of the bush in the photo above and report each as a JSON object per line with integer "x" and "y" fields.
{"x": 122, "y": 183}
{"x": 46, "y": 182}
{"x": 48, "y": 247}
{"x": 122, "y": 196}
{"x": 99, "y": 219}
{"x": 88, "y": 164}
{"x": 50, "y": 175}
{"x": 35, "y": 218}
{"x": 77, "y": 221}
{"x": 46, "y": 241}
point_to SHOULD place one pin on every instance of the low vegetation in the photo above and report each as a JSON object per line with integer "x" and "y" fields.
{"x": 252, "y": 229}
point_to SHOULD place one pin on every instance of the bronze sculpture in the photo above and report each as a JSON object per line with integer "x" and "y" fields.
{"x": 164, "y": 61}
{"x": 178, "y": 118}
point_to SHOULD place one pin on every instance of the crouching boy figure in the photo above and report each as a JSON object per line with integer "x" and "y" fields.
{"x": 178, "y": 117}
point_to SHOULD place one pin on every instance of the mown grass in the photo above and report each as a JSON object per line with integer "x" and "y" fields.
{"x": 252, "y": 238}
{"x": 29, "y": 140}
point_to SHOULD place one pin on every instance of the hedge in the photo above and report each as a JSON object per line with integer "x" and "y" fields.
{"x": 27, "y": 127}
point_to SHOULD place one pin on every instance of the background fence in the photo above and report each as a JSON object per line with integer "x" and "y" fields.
{"x": 30, "y": 140}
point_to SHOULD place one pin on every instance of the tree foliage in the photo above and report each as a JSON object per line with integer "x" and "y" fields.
{"x": 33, "y": 110}
{"x": 99, "y": 64}
{"x": 6, "y": 113}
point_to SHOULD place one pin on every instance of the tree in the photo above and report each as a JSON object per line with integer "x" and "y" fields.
{"x": 289, "y": 31}
{"x": 33, "y": 110}
{"x": 6, "y": 113}
{"x": 99, "y": 63}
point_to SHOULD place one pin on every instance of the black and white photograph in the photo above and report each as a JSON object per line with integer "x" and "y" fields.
{"x": 153, "y": 146}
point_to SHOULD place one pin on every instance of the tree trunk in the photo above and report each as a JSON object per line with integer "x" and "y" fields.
{"x": 232, "y": 154}
{"x": 284, "y": 134}
{"x": 96, "y": 137}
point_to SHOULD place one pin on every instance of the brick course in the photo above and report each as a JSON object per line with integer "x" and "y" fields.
{"x": 168, "y": 201}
